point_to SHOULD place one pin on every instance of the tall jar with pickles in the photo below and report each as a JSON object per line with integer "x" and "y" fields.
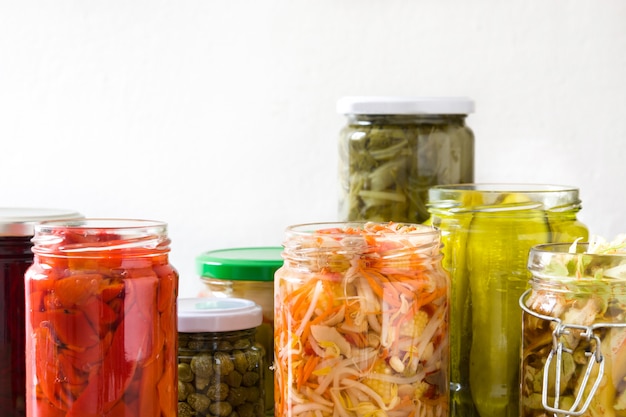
{"x": 393, "y": 149}
{"x": 487, "y": 232}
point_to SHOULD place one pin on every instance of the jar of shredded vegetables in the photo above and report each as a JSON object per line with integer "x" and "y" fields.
{"x": 220, "y": 365}
{"x": 247, "y": 273}
{"x": 574, "y": 331}
{"x": 393, "y": 149}
{"x": 487, "y": 232}
{"x": 361, "y": 321}
{"x": 16, "y": 232}
{"x": 101, "y": 320}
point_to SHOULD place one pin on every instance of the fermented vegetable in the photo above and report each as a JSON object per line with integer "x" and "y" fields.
{"x": 488, "y": 230}
{"x": 101, "y": 321}
{"x": 361, "y": 322}
{"x": 575, "y": 322}
{"x": 393, "y": 151}
{"x": 222, "y": 373}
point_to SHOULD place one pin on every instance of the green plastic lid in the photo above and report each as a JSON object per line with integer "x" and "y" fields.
{"x": 240, "y": 264}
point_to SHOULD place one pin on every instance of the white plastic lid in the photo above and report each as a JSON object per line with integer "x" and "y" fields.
{"x": 404, "y": 105}
{"x": 20, "y": 221}
{"x": 196, "y": 315}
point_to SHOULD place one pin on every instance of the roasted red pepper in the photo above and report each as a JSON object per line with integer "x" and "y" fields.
{"x": 102, "y": 334}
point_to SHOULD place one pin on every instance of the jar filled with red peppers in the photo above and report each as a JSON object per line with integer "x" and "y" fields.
{"x": 101, "y": 327}
{"x": 16, "y": 232}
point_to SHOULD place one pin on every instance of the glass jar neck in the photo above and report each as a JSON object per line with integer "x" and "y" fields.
{"x": 503, "y": 199}
{"x": 101, "y": 237}
{"x": 340, "y": 246}
{"x": 406, "y": 119}
{"x": 566, "y": 265}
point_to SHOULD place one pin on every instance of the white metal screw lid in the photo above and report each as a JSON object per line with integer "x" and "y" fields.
{"x": 196, "y": 315}
{"x": 375, "y": 105}
{"x": 20, "y": 221}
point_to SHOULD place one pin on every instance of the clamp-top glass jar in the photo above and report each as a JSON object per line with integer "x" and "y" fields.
{"x": 16, "y": 232}
{"x": 393, "y": 149}
{"x": 101, "y": 320}
{"x": 574, "y": 332}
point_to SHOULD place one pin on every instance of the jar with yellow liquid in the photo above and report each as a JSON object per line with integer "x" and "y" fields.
{"x": 487, "y": 232}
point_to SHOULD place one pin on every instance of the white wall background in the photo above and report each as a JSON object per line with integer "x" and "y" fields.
{"x": 219, "y": 116}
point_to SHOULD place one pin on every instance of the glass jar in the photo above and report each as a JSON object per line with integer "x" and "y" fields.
{"x": 247, "y": 273}
{"x": 393, "y": 149}
{"x": 101, "y": 320}
{"x": 487, "y": 232}
{"x": 361, "y": 321}
{"x": 574, "y": 333}
{"x": 16, "y": 231}
{"x": 220, "y": 366}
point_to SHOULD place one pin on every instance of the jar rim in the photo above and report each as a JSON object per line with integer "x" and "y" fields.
{"x": 505, "y": 187}
{"x": 82, "y": 236}
{"x": 502, "y": 197}
{"x": 352, "y": 228}
{"x": 100, "y": 223}
{"x": 567, "y": 262}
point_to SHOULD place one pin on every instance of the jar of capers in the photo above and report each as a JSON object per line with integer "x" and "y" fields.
{"x": 393, "y": 149}
{"x": 220, "y": 366}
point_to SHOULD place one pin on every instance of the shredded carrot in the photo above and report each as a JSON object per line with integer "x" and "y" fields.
{"x": 359, "y": 300}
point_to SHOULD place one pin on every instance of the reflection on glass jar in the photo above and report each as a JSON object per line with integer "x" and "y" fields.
{"x": 487, "y": 232}
{"x": 101, "y": 320}
{"x": 574, "y": 333}
{"x": 361, "y": 322}
{"x": 393, "y": 149}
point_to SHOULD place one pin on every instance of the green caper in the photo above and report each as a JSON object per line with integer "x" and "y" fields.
{"x": 250, "y": 379}
{"x": 223, "y": 365}
{"x": 185, "y": 410}
{"x": 252, "y": 394}
{"x": 233, "y": 379}
{"x": 242, "y": 344}
{"x": 224, "y": 346}
{"x": 202, "y": 365}
{"x": 220, "y": 409}
{"x": 182, "y": 391}
{"x": 233, "y": 413}
{"x": 202, "y": 383}
{"x": 254, "y": 358}
{"x": 197, "y": 345}
{"x": 218, "y": 392}
{"x": 245, "y": 410}
{"x": 199, "y": 402}
{"x": 184, "y": 372}
{"x": 241, "y": 361}
{"x": 237, "y": 396}
{"x": 189, "y": 388}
